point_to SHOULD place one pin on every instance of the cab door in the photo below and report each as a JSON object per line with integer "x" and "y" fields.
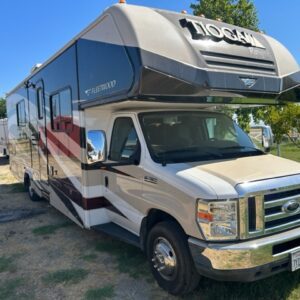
{"x": 124, "y": 178}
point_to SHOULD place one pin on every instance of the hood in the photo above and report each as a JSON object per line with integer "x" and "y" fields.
{"x": 247, "y": 169}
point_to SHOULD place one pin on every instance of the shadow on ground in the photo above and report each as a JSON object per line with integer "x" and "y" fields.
{"x": 4, "y": 161}
{"x": 12, "y": 188}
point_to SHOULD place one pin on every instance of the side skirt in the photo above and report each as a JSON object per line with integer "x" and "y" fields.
{"x": 118, "y": 232}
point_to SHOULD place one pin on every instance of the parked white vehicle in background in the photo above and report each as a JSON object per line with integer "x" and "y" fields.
{"x": 3, "y": 137}
{"x": 117, "y": 131}
{"x": 263, "y": 135}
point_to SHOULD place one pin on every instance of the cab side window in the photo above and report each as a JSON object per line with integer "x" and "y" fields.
{"x": 125, "y": 145}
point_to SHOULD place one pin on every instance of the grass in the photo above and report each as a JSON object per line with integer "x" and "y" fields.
{"x": 284, "y": 286}
{"x": 70, "y": 276}
{"x": 129, "y": 259}
{"x": 50, "y": 229}
{"x": 89, "y": 257}
{"x": 105, "y": 292}
{"x": 9, "y": 289}
{"x": 6, "y": 264}
{"x": 289, "y": 151}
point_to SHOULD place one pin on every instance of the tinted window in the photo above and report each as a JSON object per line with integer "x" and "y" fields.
{"x": 124, "y": 143}
{"x": 65, "y": 103}
{"x": 61, "y": 110}
{"x": 21, "y": 113}
{"x": 40, "y": 102}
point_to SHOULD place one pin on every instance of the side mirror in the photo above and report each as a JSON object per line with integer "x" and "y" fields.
{"x": 96, "y": 146}
{"x": 267, "y": 140}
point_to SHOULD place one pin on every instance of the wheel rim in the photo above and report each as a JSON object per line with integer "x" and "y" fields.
{"x": 164, "y": 258}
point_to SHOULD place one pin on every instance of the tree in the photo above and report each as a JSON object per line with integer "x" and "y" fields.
{"x": 281, "y": 119}
{"x": 2, "y": 108}
{"x": 236, "y": 12}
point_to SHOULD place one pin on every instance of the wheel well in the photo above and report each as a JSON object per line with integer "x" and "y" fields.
{"x": 154, "y": 217}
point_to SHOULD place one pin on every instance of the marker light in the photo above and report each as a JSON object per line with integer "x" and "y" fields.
{"x": 184, "y": 12}
{"x": 122, "y": 1}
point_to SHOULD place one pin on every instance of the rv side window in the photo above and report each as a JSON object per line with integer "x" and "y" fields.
{"x": 40, "y": 102}
{"x": 124, "y": 142}
{"x": 21, "y": 114}
{"x": 61, "y": 110}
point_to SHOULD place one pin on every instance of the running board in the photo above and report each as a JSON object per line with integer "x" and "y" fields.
{"x": 118, "y": 232}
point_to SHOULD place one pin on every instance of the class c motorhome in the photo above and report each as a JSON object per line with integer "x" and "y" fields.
{"x": 3, "y": 137}
{"x": 117, "y": 131}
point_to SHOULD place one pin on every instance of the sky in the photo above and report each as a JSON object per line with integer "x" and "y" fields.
{"x": 33, "y": 30}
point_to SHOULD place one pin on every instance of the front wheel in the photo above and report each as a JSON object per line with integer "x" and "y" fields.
{"x": 170, "y": 259}
{"x": 30, "y": 190}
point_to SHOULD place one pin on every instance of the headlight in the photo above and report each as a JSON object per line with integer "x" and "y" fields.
{"x": 218, "y": 219}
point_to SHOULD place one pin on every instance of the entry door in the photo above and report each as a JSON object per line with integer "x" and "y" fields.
{"x": 124, "y": 183}
{"x": 38, "y": 135}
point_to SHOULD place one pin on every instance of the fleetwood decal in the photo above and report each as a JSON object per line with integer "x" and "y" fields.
{"x": 199, "y": 30}
{"x": 101, "y": 88}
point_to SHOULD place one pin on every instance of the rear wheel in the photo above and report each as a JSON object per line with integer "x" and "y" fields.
{"x": 170, "y": 259}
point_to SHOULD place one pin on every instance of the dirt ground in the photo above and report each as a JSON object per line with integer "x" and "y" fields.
{"x": 45, "y": 256}
{"x": 41, "y": 250}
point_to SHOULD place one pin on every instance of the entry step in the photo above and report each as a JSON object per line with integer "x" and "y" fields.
{"x": 117, "y": 231}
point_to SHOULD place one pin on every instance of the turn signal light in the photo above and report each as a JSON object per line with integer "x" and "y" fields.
{"x": 205, "y": 216}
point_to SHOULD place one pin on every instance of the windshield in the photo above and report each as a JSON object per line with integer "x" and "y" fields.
{"x": 194, "y": 136}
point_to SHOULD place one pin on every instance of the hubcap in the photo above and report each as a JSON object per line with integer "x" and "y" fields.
{"x": 164, "y": 258}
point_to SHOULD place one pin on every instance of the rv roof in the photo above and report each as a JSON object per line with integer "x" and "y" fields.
{"x": 185, "y": 55}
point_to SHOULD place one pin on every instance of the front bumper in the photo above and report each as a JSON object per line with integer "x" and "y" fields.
{"x": 245, "y": 261}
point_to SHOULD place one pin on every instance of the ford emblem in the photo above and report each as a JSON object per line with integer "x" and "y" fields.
{"x": 291, "y": 207}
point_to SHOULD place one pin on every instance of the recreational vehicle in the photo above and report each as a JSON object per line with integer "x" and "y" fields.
{"x": 3, "y": 137}
{"x": 117, "y": 131}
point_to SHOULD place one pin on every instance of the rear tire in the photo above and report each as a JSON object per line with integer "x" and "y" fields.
{"x": 30, "y": 190}
{"x": 170, "y": 259}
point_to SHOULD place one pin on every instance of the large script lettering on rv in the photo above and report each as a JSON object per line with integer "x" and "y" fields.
{"x": 200, "y": 30}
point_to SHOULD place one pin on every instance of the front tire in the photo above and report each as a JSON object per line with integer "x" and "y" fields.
{"x": 170, "y": 259}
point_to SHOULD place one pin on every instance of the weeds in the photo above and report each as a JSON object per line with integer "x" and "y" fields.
{"x": 50, "y": 229}
{"x": 105, "y": 292}
{"x": 6, "y": 264}
{"x": 70, "y": 276}
{"x": 89, "y": 257}
{"x": 130, "y": 259}
{"x": 8, "y": 289}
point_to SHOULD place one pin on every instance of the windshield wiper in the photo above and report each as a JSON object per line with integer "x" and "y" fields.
{"x": 244, "y": 147}
{"x": 202, "y": 155}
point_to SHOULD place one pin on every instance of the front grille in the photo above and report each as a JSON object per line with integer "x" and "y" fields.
{"x": 267, "y": 213}
{"x": 276, "y": 218}
{"x": 240, "y": 63}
